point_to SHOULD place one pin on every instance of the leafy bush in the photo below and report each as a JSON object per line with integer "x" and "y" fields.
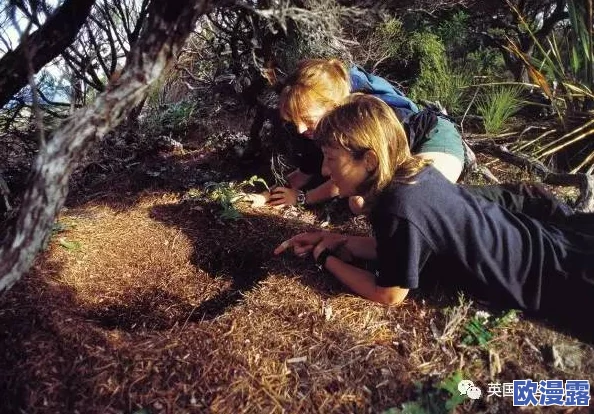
{"x": 453, "y": 32}
{"x": 486, "y": 61}
{"x": 497, "y": 106}
{"x": 438, "y": 80}
{"x": 173, "y": 118}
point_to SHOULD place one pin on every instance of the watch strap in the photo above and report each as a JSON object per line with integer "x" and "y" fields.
{"x": 323, "y": 257}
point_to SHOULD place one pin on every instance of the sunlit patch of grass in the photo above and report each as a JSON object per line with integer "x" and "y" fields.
{"x": 497, "y": 106}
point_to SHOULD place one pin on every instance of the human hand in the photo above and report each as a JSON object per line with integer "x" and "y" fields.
{"x": 283, "y": 196}
{"x": 302, "y": 244}
{"x": 331, "y": 241}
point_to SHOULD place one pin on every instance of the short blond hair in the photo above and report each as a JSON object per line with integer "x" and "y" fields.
{"x": 366, "y": 123}
{"x": 323, "y": 82}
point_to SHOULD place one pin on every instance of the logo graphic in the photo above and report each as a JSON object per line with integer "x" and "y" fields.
{"x": 466, "y": 387}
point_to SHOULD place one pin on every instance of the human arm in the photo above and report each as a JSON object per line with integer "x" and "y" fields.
{"x": 361, "y": 281}
{"x": 288, "y": 196}
{"x": 358, "y": 280}
{"x": 362, "y": 247}
{"x": 298, "y": 179}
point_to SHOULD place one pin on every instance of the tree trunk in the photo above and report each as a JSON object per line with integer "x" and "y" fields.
{"x": 169, "y": 24}
{"x": 56, "y": 34}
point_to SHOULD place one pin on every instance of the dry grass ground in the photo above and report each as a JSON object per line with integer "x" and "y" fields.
{"x": 147, "y": 302}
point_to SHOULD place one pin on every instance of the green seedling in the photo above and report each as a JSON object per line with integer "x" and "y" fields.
{"x": 481, "y": 329}
{"x": 442, "y": 398}
{"x": 255, "y": 179}
{"x": 227, "y": 194}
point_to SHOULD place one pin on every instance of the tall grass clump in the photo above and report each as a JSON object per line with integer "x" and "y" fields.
{"x": 497, "y": 106}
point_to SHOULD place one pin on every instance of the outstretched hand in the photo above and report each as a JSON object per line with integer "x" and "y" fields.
{"x": 302, "y": 244}
{"x": 283, "y": 196}
{"x": 305, "y": 243}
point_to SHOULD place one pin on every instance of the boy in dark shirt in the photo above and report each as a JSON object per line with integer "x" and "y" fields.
{"x": 422, "y": 222}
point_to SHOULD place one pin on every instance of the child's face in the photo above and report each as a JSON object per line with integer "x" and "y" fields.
{"x": 346, "y": 172}
{"x": 309, "y": 120}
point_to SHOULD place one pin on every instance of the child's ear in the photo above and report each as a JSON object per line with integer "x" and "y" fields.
{"x": 371, "y": 160}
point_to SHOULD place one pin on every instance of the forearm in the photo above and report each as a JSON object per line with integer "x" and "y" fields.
{"x": 363, "y": 283}
{"x": 298, "y": 179}
{"x": 362, "y": 247}
{"x": 321, "y": 193}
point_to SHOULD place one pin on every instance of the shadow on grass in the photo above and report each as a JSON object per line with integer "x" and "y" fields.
{"x": 56, "y": 358}
{"x": 240, "y": 251}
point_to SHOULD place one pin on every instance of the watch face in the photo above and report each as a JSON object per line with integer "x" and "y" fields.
{"x": 301, "y": 198}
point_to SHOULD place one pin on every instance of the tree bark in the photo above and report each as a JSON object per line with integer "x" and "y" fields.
{"x": 42, "y": 46}
{"x": 169, "y": 24}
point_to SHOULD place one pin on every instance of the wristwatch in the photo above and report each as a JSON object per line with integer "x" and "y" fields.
{"x": 322, "y": 258}
{"x": 300, "y": 198}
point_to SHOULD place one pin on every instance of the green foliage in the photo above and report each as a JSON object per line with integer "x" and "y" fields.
{"x": 482, "y": 327}
{"x": 450, "y": 384}
{"x": 227, "y": 194}
{"x": 442, "y": 398}
{"x": 391, "y": 41}
{"x": 486, "y": 61}
{"x": 168, "y": 119}
{"x": 453, "y": 32}
{"x": 581, "y": 48}
{"x": 477, "y": 333}
{"x": 177, "y": 115}
{"x": 255, "y": 179}
{"x": 497, "y": 106}
{"x": 438, "y": 80}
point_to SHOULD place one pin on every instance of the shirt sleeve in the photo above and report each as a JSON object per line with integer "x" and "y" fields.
{"x": 402, "y": 252}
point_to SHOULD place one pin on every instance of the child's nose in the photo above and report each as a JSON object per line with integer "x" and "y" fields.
{"x": 301, "y": 128}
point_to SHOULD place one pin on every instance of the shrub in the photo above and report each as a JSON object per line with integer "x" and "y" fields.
{"x": 453, "y": 32}
{"x": 438, "y": 80}
{"x": 486, "y": 61}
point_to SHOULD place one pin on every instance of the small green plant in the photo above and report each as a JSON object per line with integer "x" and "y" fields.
{"x": 442, "y": 398}
{"x": 227, "y": 194}
{"x": 482, "y": 327}
{"x": 177, "y": 115}
{"x": 255, "y": 179}
{"x": 497, "y": 106}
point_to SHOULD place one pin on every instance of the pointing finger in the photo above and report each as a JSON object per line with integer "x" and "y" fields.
{"x": 282, "y": 247}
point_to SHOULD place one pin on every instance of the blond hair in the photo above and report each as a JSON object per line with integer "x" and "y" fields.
{"x": 320, "y": 82}
{"x": 366, "y": 123}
